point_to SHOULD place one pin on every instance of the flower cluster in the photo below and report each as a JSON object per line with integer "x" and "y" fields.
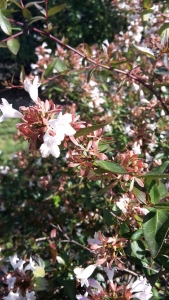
{"x": 19, "y": 282}
{"x": 45, "y": 126}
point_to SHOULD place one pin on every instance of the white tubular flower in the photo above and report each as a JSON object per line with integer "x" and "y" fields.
{"x": 14, "y": 296}
{"x": 16, "y": 265}
{"x": 30, "y": 266}
{"x": 50, "y": 146}
{"x": 141, "y": 289}
{"x": 62, "y": 126}
{"x": 32, "y": 88}
{"x": 95, "y": 240}
{"x": 84, "y": 274}
{"x": 82, "y": 297}
{"x": 10, "y": 281}
{"x": 110, "y": 272}
{"x": 30, "y": 295}
{"x": 8, "y": 111}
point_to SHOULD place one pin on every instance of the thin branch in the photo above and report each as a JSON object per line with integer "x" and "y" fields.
{"x": 12, "y": 36}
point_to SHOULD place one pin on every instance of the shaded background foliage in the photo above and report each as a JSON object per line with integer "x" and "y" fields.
{"x": 89, "y": 22}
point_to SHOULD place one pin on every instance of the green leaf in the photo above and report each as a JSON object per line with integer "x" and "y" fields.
{"x": 89, "y": 129}
{"x": 90, "y": 74}
{"x": 155, "y": 227}
{"x": 59, "y": 65}
{"x": 164, "y": 28}
{"x": 161, "y": 168}
{"x": 39, "y": 272}
{"x": 70, "y": 288}
{"x": 147, "y": 4}
{"x": 40, "y": 284}
{"x": 54, "y": 10}
{"x": 5, "y": 25}
{"x": 108, "y": 218}
{"x": 124, "y": 230}
{"x": 138, "y": 249}
{"x": 116, "y": 63}
{"x": 16, "y": 3}
{"x": 33, "y": 3}
{"x": 110, "y": 166}
{"x": 50, "y": 68}
{"x": 141, "y": 196}
{"x": 26, "y": 14}
{"x": 154, "y": 192}
{"x": 13, "y": 45}
{"x": 162, "y": 205}
{"x": 137, "y": 235}
{"x": 35, "y": 19}
{"x": 3, "y": 4}
{"x": 146, "y": 51}
{"x": 161, "y": 71}
{"x": 3, "y": 45}
{"x": 154, "y": 175}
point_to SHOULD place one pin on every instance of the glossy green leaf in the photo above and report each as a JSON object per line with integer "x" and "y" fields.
{"x": 33, "y": 3}
{"x": 154, "y": 175}
{"x": 5, "y": 24}
{"x": 116, "y": 63}
{"x": 108, "y": 218}
{"x": 146, "y": 51}
{"x": 26, "y": 14}
{"x": 90, "y": 129}
{"x": 54, "y": 10}
{"x": 164, "y": 28}
{"x": 36, "y": 19}
{"x": 137, "y": 235}
{"x": 124, "y": 230}
{"x": 138, "y": 249}
{"x": 154, "y": 192}
{"x": 59, "y": 65}
{"x": 147, "y": 4}
{"x": 39, "y": 272}
{"x": 162, "y": 205}
{"x": 40, "y": 284}
{"x": 13, "y": 45}
{"x": 141, "y": 196}
{"x": 161, "y": 168}
{"x": 110, "y": 166}
{"x": 155, "y": 227}
{"x": 50, "y": 68}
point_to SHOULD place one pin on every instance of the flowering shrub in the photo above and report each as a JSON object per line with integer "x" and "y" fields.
{"x": 92, "y": 203}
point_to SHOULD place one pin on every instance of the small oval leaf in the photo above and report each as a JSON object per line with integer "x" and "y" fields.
{"x": 13, "y": 45}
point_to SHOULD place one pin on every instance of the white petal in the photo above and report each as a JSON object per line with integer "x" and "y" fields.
{"x": 45, "y": 150}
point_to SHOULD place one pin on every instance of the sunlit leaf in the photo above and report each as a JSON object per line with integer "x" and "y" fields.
{"x": 5, "y": 24}
{"x": 146, "y": 51}
{"x": 13, "y": 46}
{"x": 39, "y": 271}
{"x": 110, "y": 166}
{"x": 86, "y": 130}
{"x": 54, "y": 10}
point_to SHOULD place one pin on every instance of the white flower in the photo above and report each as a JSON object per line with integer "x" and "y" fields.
{"x": 30, "y": 295}
{"x": 16, "y": 265}
{"x": 95, "y": 240}
{"x": 82, "y": 297}
{"x": 84, "y": 274}
{"x": 32, "y": 88}
{"x": 123, "y": 203}
{"x": 10, "y": 281}
{"x": 141, "y": 289}
{"x": 30, "y": 266}
{"x": 136, "y": 148}
{"x": 62, "y": 126}
{"x": 8, "y": 111}
{"x": 110, "y": 272}
{"x": 14, "y": 296}
{"x": 50, "y": 146}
